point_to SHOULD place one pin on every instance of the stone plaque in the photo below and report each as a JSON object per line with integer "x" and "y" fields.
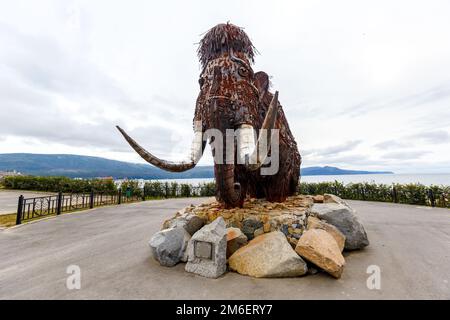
{"x": 203, "y": 250}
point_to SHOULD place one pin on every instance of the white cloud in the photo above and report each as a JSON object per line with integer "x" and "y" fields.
{"x": 362, "y": 83}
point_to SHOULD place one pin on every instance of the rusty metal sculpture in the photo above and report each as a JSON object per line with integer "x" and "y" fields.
{"x": 232, "y": 96}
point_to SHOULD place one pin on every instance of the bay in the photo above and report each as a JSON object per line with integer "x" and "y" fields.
{"x": 425, "y": 179}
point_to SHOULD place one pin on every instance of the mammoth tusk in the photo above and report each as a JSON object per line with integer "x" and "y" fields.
{"x": 198, "y": 145}
{"x": 255, "y": 160}
{"x": 246, "y": 142}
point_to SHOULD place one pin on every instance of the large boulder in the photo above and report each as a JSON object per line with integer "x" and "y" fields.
{"x": 344, "y": 218}
{"x": 320, "y": 248}
{"x": 268, "y": 256}
{"x": 207, "y": 250}
{"x": 315, "y": 223}
{"x": 235, "y": 239}
{"x": 168, "y": 246}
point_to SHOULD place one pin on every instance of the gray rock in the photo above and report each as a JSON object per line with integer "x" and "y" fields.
{"x": 343, "y": 217}
{"x": 178, "y": 222}
{"x": 207, "y": 250}
{"x": 168, "y": 246}
{"x": 191, "y": 222}
{"x": 285, "y": 229}
{"x": 249, "y": 226}
{"x": 185, "y": 256}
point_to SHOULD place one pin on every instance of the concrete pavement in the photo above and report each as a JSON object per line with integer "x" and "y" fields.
{"x": 411, "y": 245}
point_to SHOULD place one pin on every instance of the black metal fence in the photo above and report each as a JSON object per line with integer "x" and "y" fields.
{"x": 39, "y": 207}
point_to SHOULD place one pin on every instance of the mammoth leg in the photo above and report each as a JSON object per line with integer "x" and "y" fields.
{"x": 293, "y": 186}
{"x": 277, "y": 190}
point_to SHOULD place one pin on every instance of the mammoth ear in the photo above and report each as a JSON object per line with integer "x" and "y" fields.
{"x": 262, "y": 82}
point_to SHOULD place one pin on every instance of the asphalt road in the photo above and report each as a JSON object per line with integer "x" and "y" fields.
{"x": 9, "y": 199}
{"x": 411, "y": 246}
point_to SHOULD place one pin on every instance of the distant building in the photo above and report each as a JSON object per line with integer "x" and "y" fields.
{"x": 9, "y": 173}
{"x": 105, "y": 178}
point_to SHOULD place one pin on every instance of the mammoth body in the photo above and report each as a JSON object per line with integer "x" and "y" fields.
{"x": 234, "y": 99}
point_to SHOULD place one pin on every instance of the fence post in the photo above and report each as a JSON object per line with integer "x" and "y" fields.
{"x": 431, "y": 196}
{"x": 91, "y": 200}
{"x": 119, "y": 196}
{"x": 394, "y": 194}
{"x": 58, "y": 203}
{"x": 19, "y": 210}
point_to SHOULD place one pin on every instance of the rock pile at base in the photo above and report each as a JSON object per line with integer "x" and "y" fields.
{"x": 258, "y": 216}
{"x": 262, "y": 239}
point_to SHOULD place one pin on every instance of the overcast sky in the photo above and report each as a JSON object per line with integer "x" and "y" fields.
{"x": 364, "y": 84}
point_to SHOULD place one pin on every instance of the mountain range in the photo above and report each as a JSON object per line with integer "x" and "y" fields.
{"x": 76, "y": 166}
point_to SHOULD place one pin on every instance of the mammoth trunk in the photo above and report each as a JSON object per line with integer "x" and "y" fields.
{"x": 228, "y": 189}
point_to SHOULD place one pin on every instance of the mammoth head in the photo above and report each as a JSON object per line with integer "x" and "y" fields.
{"x": 229, "y": 98}
{"x": 228, "y": 95}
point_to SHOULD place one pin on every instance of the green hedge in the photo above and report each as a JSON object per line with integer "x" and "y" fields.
{"x": 412, "y": 193}
{"x": 157, "y": 189}
{"x": 57, "y": 184}
{"x": 153, "y": 189}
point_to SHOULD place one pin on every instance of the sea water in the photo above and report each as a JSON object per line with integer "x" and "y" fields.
{"x": 425, "y": 179}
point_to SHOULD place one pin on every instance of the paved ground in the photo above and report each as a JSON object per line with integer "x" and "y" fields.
{"x": 9, "y": 198}
{"x": 410, "y": 244}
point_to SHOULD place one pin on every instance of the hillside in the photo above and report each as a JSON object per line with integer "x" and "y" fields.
{"x": 327, "y": 170}
{"x": 88, "y": 167}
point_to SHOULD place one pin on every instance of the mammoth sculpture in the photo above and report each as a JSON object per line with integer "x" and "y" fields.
{"x": 234, "y": 100}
